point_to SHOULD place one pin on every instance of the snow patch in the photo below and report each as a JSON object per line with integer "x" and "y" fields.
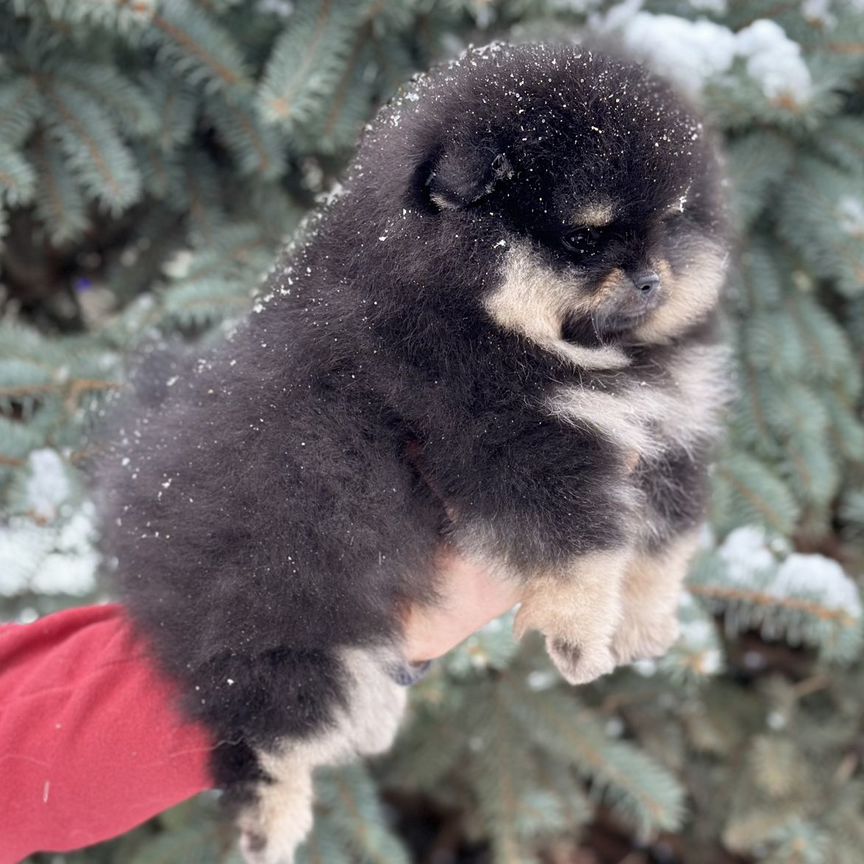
{"x": 689, "y": 52}
{"x": 49, "y": 560}
{"x": 819, "y": 12}
{"x": 745, "y": 554}
{"x": 774, "y": 61}
{"x": 851, "y": 211}
{"x": 47, "y": 485}
{"x": 753, "y": 560}
{"x": 800, "y": 574}
{"x": 693, "y": 52}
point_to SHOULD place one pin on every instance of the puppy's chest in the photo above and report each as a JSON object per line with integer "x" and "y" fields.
{"x": 675, "y": 408}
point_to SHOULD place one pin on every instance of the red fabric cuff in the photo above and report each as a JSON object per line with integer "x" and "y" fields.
{"x": 91, "y": 741}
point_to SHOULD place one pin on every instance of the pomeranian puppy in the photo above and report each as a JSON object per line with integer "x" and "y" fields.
{"x": 511, "y": 302}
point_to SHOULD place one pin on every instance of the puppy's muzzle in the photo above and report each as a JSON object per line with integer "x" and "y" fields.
{"x": 637, "y": 297}
{"x": 647, "y": 283}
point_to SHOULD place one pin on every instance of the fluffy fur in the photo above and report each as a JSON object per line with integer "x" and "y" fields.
{"x": 511, "y": 303}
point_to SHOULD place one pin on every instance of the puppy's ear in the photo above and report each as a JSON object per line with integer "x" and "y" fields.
{"x": 458, "y": 179}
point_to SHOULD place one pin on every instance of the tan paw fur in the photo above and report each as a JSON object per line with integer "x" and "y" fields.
{"x": 652, "y": 589}
{"x": 274, "y": 826}
{"x": 578, "y": 611}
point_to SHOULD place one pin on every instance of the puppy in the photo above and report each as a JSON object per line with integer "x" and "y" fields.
{"x": 500, "y": 332}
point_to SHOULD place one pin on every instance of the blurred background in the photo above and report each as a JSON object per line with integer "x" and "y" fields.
{"x": 155, "y": 154}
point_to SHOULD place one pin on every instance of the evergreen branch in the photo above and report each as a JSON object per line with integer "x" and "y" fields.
{"x": 757, "y": 163}
{"x": 17, "y": 178}
{"x": 94, "y": 151}
{"x": 500, "y": 799}
{"x": 324, "y": 844}
{"x": 19, "y": 439}
{"x": 842, "y": 142}
{"x": 826, "y": 342}
{"x": 59, "y": 202}
{"x": 241, "y": 254}
{"x": 816, "y": 479}
{"x": 80, "y": 386}
{"x": 822, "y": 215}
{"x": 124, "y": 99}
{"x": 162, "y": 175}
{"x": 176, "y": 106}
{"x": 199, "y": 46}
{"x": 344, "y": 85}
{"x": 757, "y": 584}
{"x": 321, "y": 38}
{"x": 755, "y": 403}
{"x": 205, "y": 208}
{"x": 20, "y": 106}
{"x": 846, "y": 429}
{"x": 348, "y": 107}
{"x": 70, "y": 390}
{"x": 650, "y": 797}
{"x": 110, "y": 16}
{"x": 849, "y": 49}
{"x": 186, "y": 42}
{"x": 256, "y": 148}
{"x": 167, "y": 133}
{"x": 92, "y": 145}
{"x": 734, "y": 471}
{"x": 280, "y": 107}
{"x": 433, "y": 752}
{"x": 355, "y": 813}
{"x": 772, "y": 602}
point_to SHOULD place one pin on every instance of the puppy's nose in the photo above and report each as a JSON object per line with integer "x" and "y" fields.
{"x": 646, "y": 283}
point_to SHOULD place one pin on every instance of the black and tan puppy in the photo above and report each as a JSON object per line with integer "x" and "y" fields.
{"x": 511, "y": 303}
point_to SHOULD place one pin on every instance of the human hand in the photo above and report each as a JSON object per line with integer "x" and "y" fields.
{"x": 470, "y": 597}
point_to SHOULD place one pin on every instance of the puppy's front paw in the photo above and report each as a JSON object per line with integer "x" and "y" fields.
{"x": 580, "y": 664}
{"x": 277, "y": 822}
{"x": 645, "y": 640}
{"x": 253, "y": 845}
{"x": 273, "y": 844}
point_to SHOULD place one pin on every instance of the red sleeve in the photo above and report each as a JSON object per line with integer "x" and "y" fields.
{"x": 91, "y": 743}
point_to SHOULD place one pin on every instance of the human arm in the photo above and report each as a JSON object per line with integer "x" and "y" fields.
{"x": 92, "y": 742}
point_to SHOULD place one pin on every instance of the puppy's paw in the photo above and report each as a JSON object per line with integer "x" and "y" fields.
{"x": 274, "y": 825}
{"x": 580, "y": 664}
{"x": 274, "y": 844}
{"x": 645, "y": 640}
{"x": 253, "y": 845}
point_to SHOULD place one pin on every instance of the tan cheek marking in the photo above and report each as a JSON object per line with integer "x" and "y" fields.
{"x": 689, "y": 297}
{"x": 597, "y": 215}
{"x": 528, "y": 300}
{"x": 663, "y": 270}
{"x": 532, "y": 300}
{"x": 441, "y": 202}
{"x": 608, "y": 291}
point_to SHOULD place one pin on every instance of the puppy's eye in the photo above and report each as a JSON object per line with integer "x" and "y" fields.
{"x": 582, "y": 242}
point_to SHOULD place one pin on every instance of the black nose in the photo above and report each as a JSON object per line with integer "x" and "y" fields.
{"x": 646, "y": 283}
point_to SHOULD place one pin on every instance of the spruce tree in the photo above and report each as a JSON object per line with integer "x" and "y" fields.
{"x": 154, "y": 156}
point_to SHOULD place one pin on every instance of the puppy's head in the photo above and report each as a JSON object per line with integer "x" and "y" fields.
{"x": 591, "y": 182}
